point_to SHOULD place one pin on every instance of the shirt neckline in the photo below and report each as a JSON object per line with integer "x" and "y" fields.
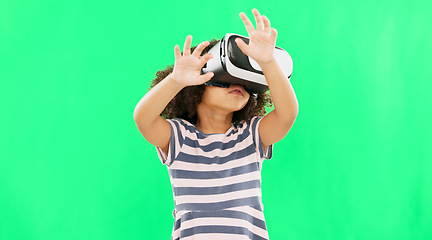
{"x": 208, "y": 134}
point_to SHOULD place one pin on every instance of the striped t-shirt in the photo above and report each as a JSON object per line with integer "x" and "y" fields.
{"x": 216, "y": 181}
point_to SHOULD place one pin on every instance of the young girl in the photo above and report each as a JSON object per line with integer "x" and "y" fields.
{"x": 213, "y": 140}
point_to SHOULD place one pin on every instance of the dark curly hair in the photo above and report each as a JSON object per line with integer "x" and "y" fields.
{"x": 184, "y": 104}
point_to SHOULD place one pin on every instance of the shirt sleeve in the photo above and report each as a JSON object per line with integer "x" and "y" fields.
{"x": 175, "y": 143}
{"x": 263, "y": 153}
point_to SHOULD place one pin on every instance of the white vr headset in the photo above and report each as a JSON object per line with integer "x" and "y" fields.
{"x": 231, "y": 66}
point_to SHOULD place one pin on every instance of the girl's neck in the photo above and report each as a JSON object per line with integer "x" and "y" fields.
{"x": 214, "y": 124}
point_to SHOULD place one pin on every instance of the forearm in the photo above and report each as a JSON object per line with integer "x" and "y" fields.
{"x": 281, "y": 90}
{"x": 154, "y": 102}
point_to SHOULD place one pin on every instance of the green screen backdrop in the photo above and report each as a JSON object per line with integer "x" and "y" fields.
{"x": 357, "y": 164}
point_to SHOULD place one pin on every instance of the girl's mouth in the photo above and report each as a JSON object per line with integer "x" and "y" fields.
{"x": 236, "y": 92}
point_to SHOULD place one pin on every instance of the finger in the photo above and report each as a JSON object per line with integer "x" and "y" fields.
{"x": 266, "y": 24}
{"x": 247, "y": 23}
{"x": 206, "y": 58}
{"x": 177, "y": 53}
{"x": 258, "y": 20}
{"x": 274, "y": 34}
{"x": 206, "y": 77}
{"x": 198, "y": 50}
{"x": 186, "y": 48}
{"x": 242, "y": 45}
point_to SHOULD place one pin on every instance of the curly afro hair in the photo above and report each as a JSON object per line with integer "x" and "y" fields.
{"x": 184, "y": 104}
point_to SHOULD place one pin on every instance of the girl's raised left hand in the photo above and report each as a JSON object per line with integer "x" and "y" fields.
{"x": 262, "y": 40}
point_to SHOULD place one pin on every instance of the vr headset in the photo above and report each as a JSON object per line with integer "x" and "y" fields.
{"x": 231, "y": 66}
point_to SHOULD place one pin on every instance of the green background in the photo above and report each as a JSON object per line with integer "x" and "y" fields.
{"x": 355, "y": 166}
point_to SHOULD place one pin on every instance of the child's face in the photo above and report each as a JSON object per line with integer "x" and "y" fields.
{"x": 224, "y": 99}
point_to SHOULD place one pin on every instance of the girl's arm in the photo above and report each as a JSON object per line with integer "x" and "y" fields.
{"x": 275, "y": 125}
{"x": 186, "y": 72}
{"x": 153, "y": 127}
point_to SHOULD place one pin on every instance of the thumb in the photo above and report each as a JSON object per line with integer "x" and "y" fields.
{"x": 206, "y": 77}
{"x": 242, "y": 45}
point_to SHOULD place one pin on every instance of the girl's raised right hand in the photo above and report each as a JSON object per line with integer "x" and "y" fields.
{"x": 187, "y": 68}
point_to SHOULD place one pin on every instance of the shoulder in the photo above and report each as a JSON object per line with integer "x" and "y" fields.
{"x": 180, "y": 121}
{"x": 253, "y": 121}
{"x": 181, "y": 125}
{"x": 249, "y": 125}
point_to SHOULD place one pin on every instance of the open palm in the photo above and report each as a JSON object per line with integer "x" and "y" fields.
{"x": 262, "y": 40}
